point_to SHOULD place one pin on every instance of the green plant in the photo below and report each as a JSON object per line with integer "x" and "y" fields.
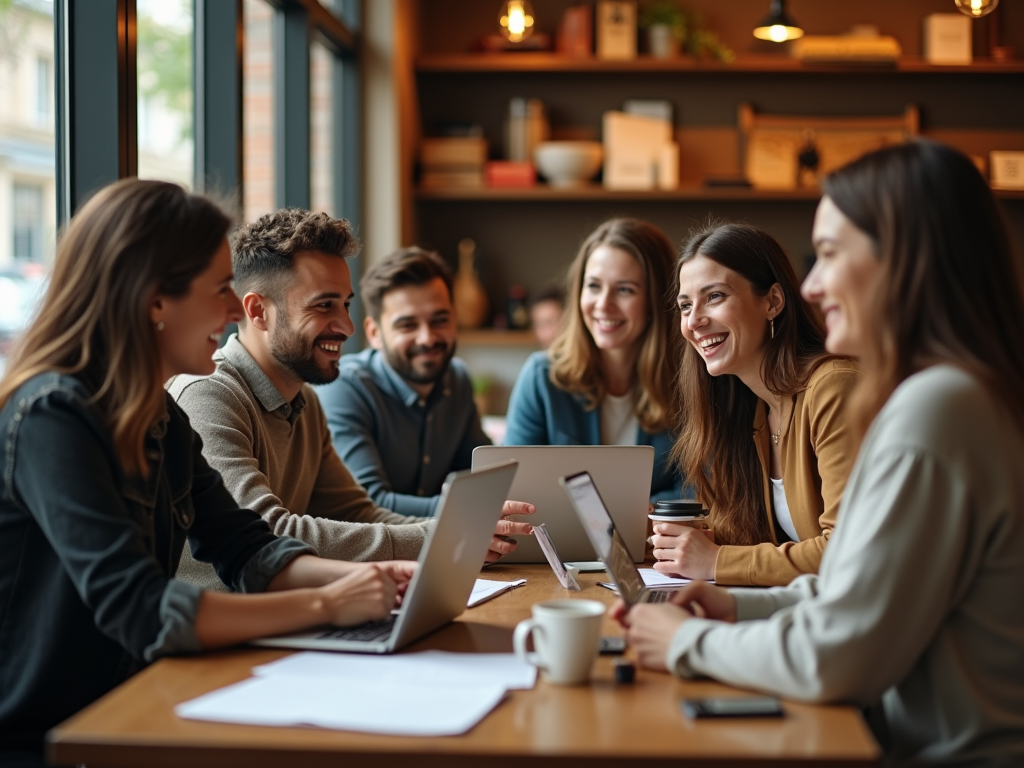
{"x": 667, "y": 14}
{"x": 688, "y": 28}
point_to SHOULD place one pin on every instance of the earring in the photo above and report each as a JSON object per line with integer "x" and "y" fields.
{"x": 772, "y": 324}
{"x": 160, "y": 325}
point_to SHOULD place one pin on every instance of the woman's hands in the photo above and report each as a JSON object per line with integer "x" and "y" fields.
{"x": 684, "y": 551}
{"x": 650, "y": 627}
{"x": 368, "y": 592}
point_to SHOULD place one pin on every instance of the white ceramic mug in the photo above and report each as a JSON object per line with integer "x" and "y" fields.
{"x": 566, "y": 634}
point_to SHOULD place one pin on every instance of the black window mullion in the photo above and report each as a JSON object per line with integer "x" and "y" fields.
{"x": 291, "y": 107}
{"x": 218, "y": 96}
{"x": 96, "y": 141}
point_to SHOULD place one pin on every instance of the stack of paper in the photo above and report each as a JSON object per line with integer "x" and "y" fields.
{"x": 422, "y": 694}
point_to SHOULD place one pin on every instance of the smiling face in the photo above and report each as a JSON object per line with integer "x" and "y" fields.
{"x": 306, "y": 332}
{"x": 843, "y": 279}
{"x": 194, "y": 323}
{"x": 613, "y": 301}
{"x": 723, "y": 319}
{"x": 416, "y": 331}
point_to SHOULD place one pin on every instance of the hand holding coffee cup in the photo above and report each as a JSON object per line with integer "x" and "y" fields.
{"x": 682, "y": 543}
{"x": 566, "y": 634}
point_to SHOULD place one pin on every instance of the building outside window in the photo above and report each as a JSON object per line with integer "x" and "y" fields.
{"x": 28, "y": 222}
{"x": 28, "y": 207}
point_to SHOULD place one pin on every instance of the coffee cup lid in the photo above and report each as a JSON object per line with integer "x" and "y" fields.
{"x": 681, "y": 507}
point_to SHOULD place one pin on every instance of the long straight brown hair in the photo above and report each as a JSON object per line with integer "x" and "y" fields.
{"x": 575, "y": 360}
{"x": 950, "y": 291}
{"x": 715, "y": 448}
{"x": 133, "y": 240}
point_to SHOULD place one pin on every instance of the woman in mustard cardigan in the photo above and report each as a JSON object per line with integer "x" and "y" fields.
{"x": 762, "y": 433}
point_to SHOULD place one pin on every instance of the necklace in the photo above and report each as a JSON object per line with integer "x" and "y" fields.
{"x": 777, "y": 434}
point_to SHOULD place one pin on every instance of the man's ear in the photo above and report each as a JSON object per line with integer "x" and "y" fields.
{"x": 373, "y": 334}
{"x": 256, "y": 309}
{"x": 776, "y": 301}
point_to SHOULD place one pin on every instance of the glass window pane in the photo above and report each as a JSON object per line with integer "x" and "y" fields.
{"x": 258, "y": 109}
{"x": 28, "y": 205}
{"x": 321, "y": 155}
{"x": 165, "y": 90}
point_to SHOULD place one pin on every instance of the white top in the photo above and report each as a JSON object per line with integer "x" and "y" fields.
{"x": 619, "y": 424}
{"x": 918, "y": 598}
{"x": 782, "y": 509}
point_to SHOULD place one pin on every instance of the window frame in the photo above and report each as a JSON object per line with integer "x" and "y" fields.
{"x": 96, "y": 106}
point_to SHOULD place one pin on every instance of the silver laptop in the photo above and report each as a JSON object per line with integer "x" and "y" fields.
{"x": 449, "y": 563}
{"x": 623, "y": 474}
{"x": 593, "y": 514}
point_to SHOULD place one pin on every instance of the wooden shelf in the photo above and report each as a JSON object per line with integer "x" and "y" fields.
{"x": 551, "y": 62}
{"x": 492, "y": 337}
{"x": 544, "y": 193}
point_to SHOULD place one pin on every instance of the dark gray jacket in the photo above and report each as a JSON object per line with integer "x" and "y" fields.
{"x": 88, "y": 553}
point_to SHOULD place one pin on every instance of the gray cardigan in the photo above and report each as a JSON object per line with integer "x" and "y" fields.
{"x": 918, "y": 602}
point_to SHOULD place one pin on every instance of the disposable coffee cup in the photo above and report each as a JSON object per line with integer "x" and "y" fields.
{"x": 566, "y": 635}
{"x": 678, "y": 511}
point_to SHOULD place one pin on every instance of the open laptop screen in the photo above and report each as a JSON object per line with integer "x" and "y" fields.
{"x": 606, "y": 540}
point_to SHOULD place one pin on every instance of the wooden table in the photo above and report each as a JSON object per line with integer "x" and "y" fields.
{"x": 601, "y": 724}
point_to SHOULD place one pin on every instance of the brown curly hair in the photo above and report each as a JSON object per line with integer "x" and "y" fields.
{"x": 262, "y": 252}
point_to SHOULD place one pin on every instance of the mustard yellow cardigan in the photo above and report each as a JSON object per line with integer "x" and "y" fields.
{"x": 816, "y": 460}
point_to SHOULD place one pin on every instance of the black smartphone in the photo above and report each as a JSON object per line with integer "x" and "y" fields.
{"x": 612, "y": 646}
{"x": 735, "y": 706}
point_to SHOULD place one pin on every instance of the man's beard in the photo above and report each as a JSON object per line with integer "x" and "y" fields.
{"x": 403, "y": 365}
{"x": 298, "y": 355}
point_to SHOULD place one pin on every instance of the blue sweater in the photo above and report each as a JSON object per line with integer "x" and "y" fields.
{"x": 539, "y": 413}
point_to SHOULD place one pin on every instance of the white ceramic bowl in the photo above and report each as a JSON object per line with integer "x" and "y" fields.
{"x": 568, "y": 163}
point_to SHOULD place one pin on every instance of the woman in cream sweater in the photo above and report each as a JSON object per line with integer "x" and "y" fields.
{"x": 762, "y": 435}
{"x": 917, "y": 610}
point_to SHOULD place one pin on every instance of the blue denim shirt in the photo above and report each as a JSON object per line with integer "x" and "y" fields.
{"x": 88, "y": 553}
{"x": 399, "y": 446}
{"x": 539, "y": 413}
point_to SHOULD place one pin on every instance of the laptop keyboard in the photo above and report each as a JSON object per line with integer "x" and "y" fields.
{"x": 659, "y": 595}
{"x": 368, "y": 632}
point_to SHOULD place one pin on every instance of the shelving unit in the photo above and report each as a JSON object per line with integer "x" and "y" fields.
{"x": 529, "y": 235}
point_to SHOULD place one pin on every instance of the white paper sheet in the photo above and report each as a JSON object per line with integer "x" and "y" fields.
{"x": 430, "y": 668}
{"x": 485, "y": 589}
{"x": 409, "y": 709}
{"x": 655, "y": 579}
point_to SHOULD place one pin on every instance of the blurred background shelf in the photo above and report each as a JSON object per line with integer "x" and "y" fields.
{"x": 494, "y": 337}
{"x": 768, "y": 64}
{"x": 544, "y": 193}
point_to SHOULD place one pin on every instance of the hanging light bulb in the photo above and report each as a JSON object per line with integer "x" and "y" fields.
{"x": 516, "y": 20}
{"x": 976, "y": 8}
{"x": 778, "y": 26}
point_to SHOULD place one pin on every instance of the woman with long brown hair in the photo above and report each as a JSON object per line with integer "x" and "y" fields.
{"x": 607, "y": 377}
{"x": 761, "y": 436}
{"x": 104, "y": 479}
{"x": 917, "y": 609}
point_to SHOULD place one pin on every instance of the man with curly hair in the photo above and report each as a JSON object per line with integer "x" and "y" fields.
{"x": 261, "y": 423}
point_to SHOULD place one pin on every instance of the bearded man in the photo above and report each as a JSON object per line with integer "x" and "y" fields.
{"x": 401, "y": 413}
{"x": 261, "y": 422}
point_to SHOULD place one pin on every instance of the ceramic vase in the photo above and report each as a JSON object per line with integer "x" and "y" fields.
{"x": 470, "y": 297}
{"x": 661, "y": 39}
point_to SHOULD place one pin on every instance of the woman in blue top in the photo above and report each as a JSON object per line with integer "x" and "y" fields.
{"x": 103, "y": 479}
{"x": 608, "y": 377}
